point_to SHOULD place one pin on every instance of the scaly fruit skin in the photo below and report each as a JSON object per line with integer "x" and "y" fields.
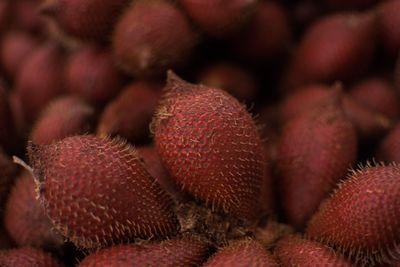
{"x": 175, "y": 252}
{"x": 295, "y": 251}
{"x": 87, "y": 20}
{"x": 63, "y": 117}
{"x": 130, "y": 113}
{"x": 361, "y": 218}
{"x": 317, "y": 148}
{"x": 149, "y": 51}
{"x": 211, "y": 146}
{"x": 31, "y": 257}
{"x": 242, "y": 253}
{"x": 220, "y": 18}
{"x": 26, "y": 220}
{"x": 97, "y": 192}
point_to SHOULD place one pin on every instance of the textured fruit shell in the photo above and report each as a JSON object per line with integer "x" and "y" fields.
{"x": 362, "y": 217}
{"x": 220, "y": 18}
{"x": 336, "y": 47}
{"x": 316, "y": 150}
{"x": 27, "y": 257}
{"x": 151, "y": 50}
{"x": 25, "y": 218}
{"x": 97, "y": 192}
{"x": 295, "y": 251}
{"x": 210, "y": 145}
{"x": 176, "y": 252}
{"x": 130, "y": 114}
{"x": 242, "y": 253}
{"x": 63, "y": 117}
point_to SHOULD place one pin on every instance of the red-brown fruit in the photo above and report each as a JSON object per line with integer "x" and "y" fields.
{"x": 166, "y": 42}
{"x": 296, "y": 251}
{"x": 389, "y": 26}
{"x": 5, "y": 12}
{"x": 87, "y": 20}
{"x": 220, "y": 18}
{"x": 15, "y": 49}
{"x": 7, "y": 128}
{"x": 210, "y": 145}
{"x": 171, "y": 253}
{"x": 17, "y": 113}
{"x": 361, "y": 218}
{"x": 63, "y": 117}
{"x": 317, "y": 148}
{"x": 155, "y": 167}
{"x": 378, "y": 95}
{"x": 91, "y": 74}
{"x": 8, "y": 171}
{"x": 26, "y": 15}
{"x": 26, "y": 220}
{"x": 242, "y": 253}
{"x": 267, "y": 36}
{"x": 129, "y": 115}
{"x": 369, "y": 123}
{"x": 349, "y": 4}
{"x": 389, "y": 149}
{"x": 40, "y": 79}
{"x": 336, "y": 47}
{"x": 31, "y": 257}
{"x": 231, "y": 78}
{"x": 97, "y": 192}
{"x": 5, "y": 240}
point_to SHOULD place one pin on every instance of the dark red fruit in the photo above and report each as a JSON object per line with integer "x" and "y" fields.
{"x": 336, "y": 47}
{"x": 26, "y": 220}
{"x": 97, "y": 192}
{"x": 242, "y": 253}
{"x": 389, "y": 26}
{"x": 220, "y": 18}
{"x": 7, "y": 126}
{"x": 155, "y": 167}
{"x": 40, "y": 79}
{"x": 389, "y": 149}
{"x": 63, "y": 117}
{"x": 317, "y": 148}
{"x": 129, "y": 115}
{"x": 91, "y": 74}
{"x": 26, "y": 16}
{"x": 88, "y": 20}
{"x": 361, "y": 218}
{"x": 267, "y": 36}
{"x": 15, "y": 49}
{"x": 31, "y": 257}
{"x": 8, "y": 171}
{"x": 211, "y": 146}
{"x": 378, "y": 95}
{"x": 175, "y": 252}
{"x": 295, "y": 251}
{"x": 151, "y": 50}
{"x": 231, "y": 78}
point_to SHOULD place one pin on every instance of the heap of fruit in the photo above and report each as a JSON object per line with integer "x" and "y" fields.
{"x": 200, "y": 133}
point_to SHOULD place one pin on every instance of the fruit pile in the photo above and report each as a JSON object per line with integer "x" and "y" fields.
{"x": 200, "y": 133}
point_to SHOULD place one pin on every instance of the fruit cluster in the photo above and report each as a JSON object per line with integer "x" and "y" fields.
{"x": 126, "y": 140}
